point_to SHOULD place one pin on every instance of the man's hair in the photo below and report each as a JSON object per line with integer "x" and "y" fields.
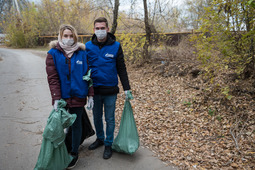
{"x": 101, "y": 19}
{"x": 63, "y": 27}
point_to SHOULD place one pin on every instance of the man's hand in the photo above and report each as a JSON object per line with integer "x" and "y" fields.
{"x": 90, "y": 103}
{"x": 128, "y": 95}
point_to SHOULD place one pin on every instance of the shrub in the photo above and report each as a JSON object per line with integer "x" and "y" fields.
{"x": 22, "y": 32}
{"x": 132, "y": 45}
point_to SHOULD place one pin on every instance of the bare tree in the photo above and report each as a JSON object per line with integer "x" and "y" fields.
{"x": 195, "y": 9}
{"x": 115, "y": 16}
{"x": 148, "y": 32}
{"x": 7, "y": 5}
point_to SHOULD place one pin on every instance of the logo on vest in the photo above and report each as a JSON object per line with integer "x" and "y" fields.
{"x": 109, "y": 55}
{"x": 78, "y": 62}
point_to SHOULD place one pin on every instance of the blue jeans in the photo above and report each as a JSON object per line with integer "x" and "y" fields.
{"x": 108, "y": 103}
{"x": 76, "y": 128}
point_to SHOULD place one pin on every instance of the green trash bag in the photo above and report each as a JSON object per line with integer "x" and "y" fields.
{"x": 53, "y": 154}
{"x": 127, "y": 140}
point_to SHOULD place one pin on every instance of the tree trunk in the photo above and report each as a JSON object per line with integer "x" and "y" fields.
{"x": 148, "y": 32}
{"x": 115, "y": 16}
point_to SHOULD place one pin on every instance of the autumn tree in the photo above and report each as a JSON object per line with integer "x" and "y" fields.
{"x": 11, "y": 7}
{"x": 45, "y": 18}
{"x": 22, "y": 29}
{"x": 5, "y": 7}
{"x": 227, "y": 39}
{"x": 110, "y": 10}
{"x": 194, "y": 10}
{"x": 78, "y": 15}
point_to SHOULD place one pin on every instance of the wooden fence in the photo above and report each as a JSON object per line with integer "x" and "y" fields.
{"x": 170, "y": 39}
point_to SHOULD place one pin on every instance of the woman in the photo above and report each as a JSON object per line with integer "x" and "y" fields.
{"x": 66, "y": 64}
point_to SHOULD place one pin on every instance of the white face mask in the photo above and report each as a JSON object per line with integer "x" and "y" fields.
{"x": 101, "y": 34}
{"x": 68, "y": 42}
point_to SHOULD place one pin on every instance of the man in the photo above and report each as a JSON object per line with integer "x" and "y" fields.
{"x": 106, "y": 60}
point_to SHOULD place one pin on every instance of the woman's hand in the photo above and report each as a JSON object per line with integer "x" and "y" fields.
{"x": 90, "y": 103}
{"x": 55, "y": 106}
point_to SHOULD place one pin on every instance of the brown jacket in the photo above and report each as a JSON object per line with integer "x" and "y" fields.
{"x": 53, "y": 79}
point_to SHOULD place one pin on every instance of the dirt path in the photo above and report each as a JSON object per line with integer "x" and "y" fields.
{"x": 25, "y": 105}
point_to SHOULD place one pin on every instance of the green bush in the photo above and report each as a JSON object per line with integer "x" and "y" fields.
{"x": 14, "y": 37}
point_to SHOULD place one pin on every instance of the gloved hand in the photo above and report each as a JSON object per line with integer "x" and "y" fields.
{"x": 129, "y": 95}
{"x": 55, "y": 106}
{"x": 90, "y": 103}
{"x": 88, "y": 78}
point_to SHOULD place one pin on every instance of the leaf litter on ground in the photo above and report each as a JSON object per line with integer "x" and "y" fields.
{"x": 182, "y": 127}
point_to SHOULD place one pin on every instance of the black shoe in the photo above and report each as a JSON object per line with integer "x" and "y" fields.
{"x": 107, "y": 152}
{"x": 96, "y": 144}
{"x": 73, "y": 162}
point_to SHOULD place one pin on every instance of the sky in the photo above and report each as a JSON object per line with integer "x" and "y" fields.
{"x": 125, "y": 4}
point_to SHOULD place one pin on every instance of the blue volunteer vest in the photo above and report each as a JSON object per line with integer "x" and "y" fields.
{"x": 71, "y": 83}
{"x": 102, "y": 62}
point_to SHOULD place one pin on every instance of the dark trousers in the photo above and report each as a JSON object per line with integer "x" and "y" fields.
{"x": 76, "y": 128}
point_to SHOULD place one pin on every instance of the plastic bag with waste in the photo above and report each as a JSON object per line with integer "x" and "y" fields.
{"x": 53, "y": 154}
{"x": 127, "y": 140}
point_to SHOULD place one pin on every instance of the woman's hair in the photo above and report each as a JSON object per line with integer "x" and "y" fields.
{"x": 63, "y": 27}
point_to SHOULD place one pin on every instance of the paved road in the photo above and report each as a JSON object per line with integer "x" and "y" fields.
{"x": 25, "y": 105}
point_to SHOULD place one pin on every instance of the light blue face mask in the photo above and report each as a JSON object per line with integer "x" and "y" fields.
{"x": 68, "y": 42}
{"x": 101, "y": 34}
